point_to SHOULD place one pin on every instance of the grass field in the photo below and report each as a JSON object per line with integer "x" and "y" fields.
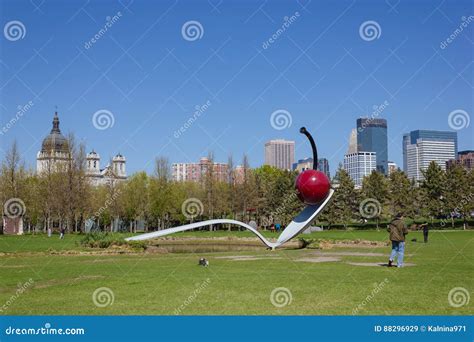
{"x": 65, "y": 276}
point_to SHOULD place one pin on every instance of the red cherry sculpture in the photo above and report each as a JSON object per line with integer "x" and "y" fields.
{"x": 312, "y": 185}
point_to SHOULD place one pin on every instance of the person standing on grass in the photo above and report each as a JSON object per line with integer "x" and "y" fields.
{"x": 272, "y": 228}
{"x": 61, "y": 235}
{"x": 49, "y": 232}
{"x": 398, "y": 230}
{"x": 425, "y": 228}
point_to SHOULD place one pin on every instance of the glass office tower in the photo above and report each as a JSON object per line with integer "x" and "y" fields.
{"x": 421, "y": 147}
{"x": 372, "y": 137}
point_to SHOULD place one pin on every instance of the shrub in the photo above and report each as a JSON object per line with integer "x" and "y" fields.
{"x": 102, "y": 240}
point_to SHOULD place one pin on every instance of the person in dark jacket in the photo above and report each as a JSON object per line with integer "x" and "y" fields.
{"x": 425, "y": 228}
{"x": 398, "y": 230}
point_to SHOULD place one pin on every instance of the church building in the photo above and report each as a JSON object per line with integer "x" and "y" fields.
{"x": 55, "y": 153}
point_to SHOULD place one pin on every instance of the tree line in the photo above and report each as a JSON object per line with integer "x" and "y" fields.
{"x": 64, "y": 197}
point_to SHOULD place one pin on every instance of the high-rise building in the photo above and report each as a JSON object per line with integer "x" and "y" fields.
{"x": 239, "y": 174}
{"x": 372, "y": 137}
{"x": 179, "y": 171}
{"x": 392, "y": 167}
{"x": 303, "y": 164}
{"x": 352, "y": 142}
{"x": 405, "y": 142}
{"x": 195, "y": 172}
{"x": 360, "y": 164}
{"x": 413, "y": 136}
{"x": 464, "y": 158}
{"x": 280, "y": 153}
{"x": 323, "y": 166}
{"x": 307, "y": 163}
{"x": 421, "y": 147}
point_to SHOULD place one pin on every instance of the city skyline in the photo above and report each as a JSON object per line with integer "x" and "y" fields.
{"x": 354, "y": 150}
{"x": 164, "y": 93}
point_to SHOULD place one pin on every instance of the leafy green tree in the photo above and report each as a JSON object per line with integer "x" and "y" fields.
{"x": 468, "y": 200}
{"x": 400, "y": 194}
{"x": 209, "y": 183}
{"x": 134, "y": 197}
{"x": 433, "y": 190}
{"x": 345, "y": 198}
{"x": 456, "y": 193}
{"x": 375, "y": 187}
{"x": 13, "y": 174}
{"x": 246, "y": 192}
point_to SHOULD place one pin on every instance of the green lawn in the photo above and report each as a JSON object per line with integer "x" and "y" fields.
{"x": 65, "y": 277}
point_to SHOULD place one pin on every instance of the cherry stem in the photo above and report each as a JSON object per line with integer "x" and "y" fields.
{"x": 313, "y": 147}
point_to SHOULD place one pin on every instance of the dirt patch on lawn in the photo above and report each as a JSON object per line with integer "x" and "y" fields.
{"x": 248, "y": 257}
{"x": 12, "y": 266}
{"x": 356, "y": 254}
{"x": 358, "y": 243}
{"x": 376, "y": 264}
{"x": 319, "y": 259}
{"x": 256, "y": 258}
{"x": 361, "y": 254}
{"x": 241, "y": 256}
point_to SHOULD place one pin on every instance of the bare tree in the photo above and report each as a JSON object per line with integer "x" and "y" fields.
{"x": 162, "y": 169}
{"x": 13, "y": 171}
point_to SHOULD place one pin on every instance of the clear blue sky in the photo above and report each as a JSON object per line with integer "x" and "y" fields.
{"x": 150, "y": 78}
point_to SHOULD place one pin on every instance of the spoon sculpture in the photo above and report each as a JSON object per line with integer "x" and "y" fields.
{"x": 313, "y": 188}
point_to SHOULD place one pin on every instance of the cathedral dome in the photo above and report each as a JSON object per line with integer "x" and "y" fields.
{"x": 55, "y": 141}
